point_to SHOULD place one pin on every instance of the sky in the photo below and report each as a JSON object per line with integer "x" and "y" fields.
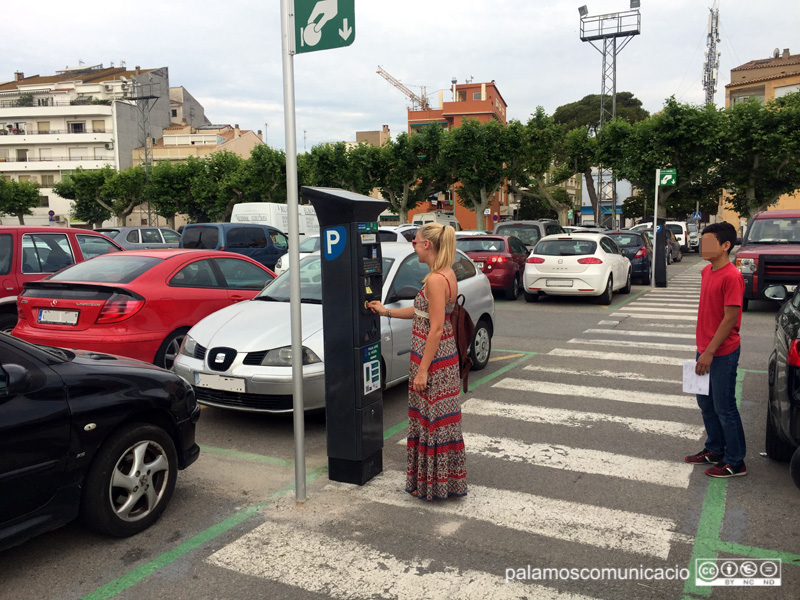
{"x": 228, "y": 54}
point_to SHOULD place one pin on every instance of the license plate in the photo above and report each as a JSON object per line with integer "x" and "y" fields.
{"x": 58, "y": 317}
{"x": 219, "y": 382}
{"x": 479, "y": 265}
{"x": 559, "y": 283}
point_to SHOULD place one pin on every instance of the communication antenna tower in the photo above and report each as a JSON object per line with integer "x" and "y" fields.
{"x": 711, "y": 66}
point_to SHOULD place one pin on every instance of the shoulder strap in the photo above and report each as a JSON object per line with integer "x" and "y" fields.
{"x": 449, "y": 291}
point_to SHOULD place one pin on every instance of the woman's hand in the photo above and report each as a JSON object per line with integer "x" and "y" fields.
{"x": 376, "y": 307}
{"x": 420, "y": 381}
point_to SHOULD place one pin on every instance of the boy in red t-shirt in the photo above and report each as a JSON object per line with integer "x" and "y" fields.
{"x": 719, "y": 316}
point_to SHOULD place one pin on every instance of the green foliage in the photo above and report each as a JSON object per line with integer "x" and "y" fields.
{"x": 18, "y": 198}
{"x": 85, "y": 188}
{"x": 25, "y": 100}
{"x": 586, "y": 112}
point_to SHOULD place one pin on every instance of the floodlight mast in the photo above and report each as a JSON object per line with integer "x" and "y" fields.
{"x": 610, "y": 28}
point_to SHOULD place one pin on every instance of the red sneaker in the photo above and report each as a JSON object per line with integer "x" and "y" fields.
{"x": 703, "y": 458}
{"x": 726, "y": 470}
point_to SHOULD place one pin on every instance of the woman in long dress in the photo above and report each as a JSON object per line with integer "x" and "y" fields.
{"x": 436, "y": 457}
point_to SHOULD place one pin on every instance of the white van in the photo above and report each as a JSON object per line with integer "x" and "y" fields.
{"x": 275, "y": 215}
{"x": 436, "y": 217}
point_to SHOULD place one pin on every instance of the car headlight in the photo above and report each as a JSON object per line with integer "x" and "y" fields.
{"x": 188, "y": 346}
{"x": 282, "y": 357}
{"x": 747, "y": 265}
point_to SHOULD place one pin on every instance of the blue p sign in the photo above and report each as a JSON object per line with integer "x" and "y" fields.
{"x": 334, "y": 241}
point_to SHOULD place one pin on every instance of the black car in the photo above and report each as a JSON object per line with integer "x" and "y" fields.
{"x": 638, "y": 249}
{"x": 88, "y": 435}
{"x": 783, "y": 407}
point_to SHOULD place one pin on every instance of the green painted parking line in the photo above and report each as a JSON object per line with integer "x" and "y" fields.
{"x": 787, "y": 558}
{"x": 628, "y": 299}
{"x": 259, "y": 458}
{"x": 757, "y": 371}
{"x": 121, "y": 584}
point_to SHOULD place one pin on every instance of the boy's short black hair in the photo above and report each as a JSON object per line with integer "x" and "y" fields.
{"x": 724, "y": 232}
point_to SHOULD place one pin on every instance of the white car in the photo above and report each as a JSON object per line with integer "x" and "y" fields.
{"x": 240, "y": 357}
{"x": 578, "y": 264}
{"x": 308, "y": 246}
{"x": 396, "y": 234}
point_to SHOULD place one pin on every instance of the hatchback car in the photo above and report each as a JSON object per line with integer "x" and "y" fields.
{"x": 143, "y": 238}
{"x": 255, "y": 373}
{"x": 29, "y": 253}
{"x": 581, "y": 264}
{"x": 500, "y": 257}
{"x": 308, "y": 245}
{"x": 638, "y": 249}
{"x": 530, "y": 232}
{"x": 262, "y": 243}
{"x": 88, "y": 435}
{"x": 138, "y": 303}
{"x": 783, "y": 377}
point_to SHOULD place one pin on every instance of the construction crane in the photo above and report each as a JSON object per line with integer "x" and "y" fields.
{"x": 418, "y": 102}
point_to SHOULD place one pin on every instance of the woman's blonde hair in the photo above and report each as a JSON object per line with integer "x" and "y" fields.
{"x": 443, "y": 241}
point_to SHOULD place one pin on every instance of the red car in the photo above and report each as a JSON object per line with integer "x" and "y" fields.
{"x": 138, "y": 303}
{"x": 29, "y": 253}
{"x": 500, "y": 257}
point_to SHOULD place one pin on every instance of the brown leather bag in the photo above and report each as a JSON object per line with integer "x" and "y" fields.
{"x": 464, "y": 332}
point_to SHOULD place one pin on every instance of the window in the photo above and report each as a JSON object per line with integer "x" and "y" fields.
{"x": 198, "y": 274}
{"x": 43, "y": 126}
{"x": 119, "y": 268}
{"x": 151, "y": 236}
{"x": 477, "y": 96}
{"x": 94, "y": 245}
{"x": 240, "y": 274}
{"x": 174, "y": 113}
{"x": 517, "y": 247}
{"x": 553, "y": 229}
{"x": 279, "y": 240}
{"x": 76, "y": 126}
{"x": 565, "y": 248}
{"x": 48, "y": 180}
{"x": 206, "y": 238}
{"x": 463, "y": 267}
{"x": 529, "y": 234}
{"x": 99, "y": 126}
{"x": 387, "y": 236}
{"x": 45, "y": 154}
{"x": 27, "y": 178}
{"x": 6, "y": 245}
{"x": 44, "y": 201}
{"x": 609, "y": 246}
{"x": 78, "y": 153}
{"x": 170, "y": 237}
{"x": 133, "y": 236}
{"x": 45, "y": 252}
{"x": 411, "y": 273}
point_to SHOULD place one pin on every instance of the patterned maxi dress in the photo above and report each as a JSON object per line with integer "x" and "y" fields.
{"x": 436, "y": 456}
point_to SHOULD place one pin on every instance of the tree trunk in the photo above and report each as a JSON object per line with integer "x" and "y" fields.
{"x": 21, "y": 218}
{"x": 561, "y": 209}
{"x": 590, "y": 189}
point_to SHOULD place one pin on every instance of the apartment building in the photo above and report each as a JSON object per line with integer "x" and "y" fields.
{"x": 85, "y": 116}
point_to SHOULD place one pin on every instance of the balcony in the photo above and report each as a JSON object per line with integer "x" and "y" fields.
{"x": 56, "y": 136}
{"x": 63, "y": 163}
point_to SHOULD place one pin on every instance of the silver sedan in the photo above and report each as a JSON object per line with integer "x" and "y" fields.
{"x": 240, "y": 357}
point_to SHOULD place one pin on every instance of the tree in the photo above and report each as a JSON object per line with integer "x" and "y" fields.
{"x": 124, "y": 191}
{"x": 763, "y": 152}
{"x": 18, "y": 198}
{"x": 168, "y": 189}
{"x": 265, "y": 174}
{"x": 85, "y": 188}
{"x": 476, "y": 155}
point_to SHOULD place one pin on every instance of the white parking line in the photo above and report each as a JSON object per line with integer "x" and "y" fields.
{"x": 667, "y": 334}
{"x": 636, "y": 344}
{"x": 344, "y": 569}
{"x": 574, "y": 418}
{"x": 654, "y": 317}
{"x": 617, "y": 357}
{"x": 679, "y": 311}
{"x": 595, "y": 393}
{"x": 587, "y": 524}
{"x": 608, "y": 323}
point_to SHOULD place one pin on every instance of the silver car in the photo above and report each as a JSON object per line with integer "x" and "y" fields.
{"x": 259, "y": 376}
{"x": 142, "y": 238}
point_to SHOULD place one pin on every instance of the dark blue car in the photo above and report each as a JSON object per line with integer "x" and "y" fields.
{"x": 262, "y": 243}
{"x": 638, "y": 248}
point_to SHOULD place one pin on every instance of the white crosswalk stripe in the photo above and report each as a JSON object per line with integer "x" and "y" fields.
{"x": 651, "y": 345}
{"x": 687, "y": 336}
{"x": 689, "y": 311}
{"x": 617, "y": 356}
{"x": 654, "y": 317}
{"x": 601, "y": 373}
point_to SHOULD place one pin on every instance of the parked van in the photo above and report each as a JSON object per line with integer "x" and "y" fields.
{"x": 436, "y": 217}
{"x": 260, "y": 242}
{"x": 275, "y": 215}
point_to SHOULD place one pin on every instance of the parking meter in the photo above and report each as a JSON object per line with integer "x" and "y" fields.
{"x": 352, "y": 276}
{"x": 661, "y": 244}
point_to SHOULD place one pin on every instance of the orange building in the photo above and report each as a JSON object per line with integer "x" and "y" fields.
{"x": 480, "y": 101}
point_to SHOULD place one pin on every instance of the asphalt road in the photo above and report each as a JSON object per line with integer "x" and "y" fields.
{"x": 575, "y": 435}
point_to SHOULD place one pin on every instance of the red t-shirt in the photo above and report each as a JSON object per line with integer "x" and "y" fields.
{"x": 721, "y": 288}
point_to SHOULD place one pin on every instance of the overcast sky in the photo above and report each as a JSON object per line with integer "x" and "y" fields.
{"x": 228, "y": 54}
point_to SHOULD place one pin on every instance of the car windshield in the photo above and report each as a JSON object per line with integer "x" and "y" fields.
{"x": 676, "y": 229}
{"x": 692, "y": 228}
{"x": 484, "y": 244}
{"x": 116, "y": 268}
{"x": 529, "y": 234}
{"x": 565, "y": 247}
{"x": 626, "y": 239}
{"x": 775, "y": 231}
{"x": 310, "y": 244}
{"x": 310, "y": 282}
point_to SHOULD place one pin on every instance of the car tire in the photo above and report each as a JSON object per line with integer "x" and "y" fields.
{"x": 646, "y": 278}
{"x": 512, "y": 293}
{"x": 679, "y": 258}
{"x": 168, "y": 351}
{"x": 627, "y": 288}
{"x": 669, "y": 258}
{"x": 794, "y": 467}
{"x": 481, "y": 347}
{"x": 7, "y": 322}
{"x": 608, "y": 293}
{"x": 775, "y": 447}
{"x": 531, "y": 297}
{"x": 113, "y": 482}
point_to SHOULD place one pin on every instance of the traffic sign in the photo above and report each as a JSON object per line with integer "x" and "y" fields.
{"x": 668, "y": 177}
{"x": 323, "y": 24}
{"x": 696, "y": 216}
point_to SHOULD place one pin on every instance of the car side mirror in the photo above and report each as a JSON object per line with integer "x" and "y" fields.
{"x": 775, "y": 292}
{"x": 17, "y": 379}
{"x": 407, "y": 292}
{"x": 738, "y": 241}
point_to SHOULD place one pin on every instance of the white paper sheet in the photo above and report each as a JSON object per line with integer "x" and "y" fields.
{"x": 692, "y": 382}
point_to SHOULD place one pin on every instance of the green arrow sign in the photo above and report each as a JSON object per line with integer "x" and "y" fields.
{"x": 323, "y": 24}
{"x": 668, "y": 177}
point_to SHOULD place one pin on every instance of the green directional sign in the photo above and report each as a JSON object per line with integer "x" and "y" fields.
{"x": 323, "y": 24}
{"x": 668, "y": 177}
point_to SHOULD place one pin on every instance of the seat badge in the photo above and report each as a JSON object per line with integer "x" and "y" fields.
{"x": 219, "y": 358}
{"x": 561, "y": 261}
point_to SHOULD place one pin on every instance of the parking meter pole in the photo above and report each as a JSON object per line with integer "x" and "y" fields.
{"x": 352, "y": 276}
{"x": 287, "y": 33}
{"x": 655, "y": 231}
